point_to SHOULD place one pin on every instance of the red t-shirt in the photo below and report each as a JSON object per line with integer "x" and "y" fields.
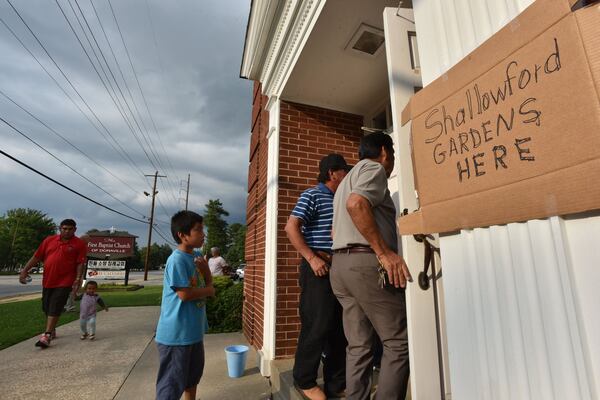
{"x": 60, "y": 260}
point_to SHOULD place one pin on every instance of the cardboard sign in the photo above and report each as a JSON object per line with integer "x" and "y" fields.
{"x": 512, "y": 132}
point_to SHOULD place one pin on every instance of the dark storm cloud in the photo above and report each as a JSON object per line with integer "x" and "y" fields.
{"x": 190, "y": 80}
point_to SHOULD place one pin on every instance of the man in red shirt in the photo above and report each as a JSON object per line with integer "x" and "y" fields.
{"x": 64, "y": 257}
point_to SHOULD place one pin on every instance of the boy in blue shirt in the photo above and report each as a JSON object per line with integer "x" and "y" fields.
{"x": 182, "y": 323}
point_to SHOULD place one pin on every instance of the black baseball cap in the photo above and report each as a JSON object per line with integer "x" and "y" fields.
{"x": 333, "y": 162}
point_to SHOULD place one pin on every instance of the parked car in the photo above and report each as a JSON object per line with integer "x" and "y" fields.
{"x": 239, "y": 273}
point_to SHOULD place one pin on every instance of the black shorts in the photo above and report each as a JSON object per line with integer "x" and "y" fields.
{"x": 180, "y": 368}
{"x": 54, "y": 300}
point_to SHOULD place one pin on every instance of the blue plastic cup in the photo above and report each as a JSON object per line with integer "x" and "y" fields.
{"x": 236, "y": 360}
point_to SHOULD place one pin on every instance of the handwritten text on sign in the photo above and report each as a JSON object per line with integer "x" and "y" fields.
{"x": 460, "y": 135}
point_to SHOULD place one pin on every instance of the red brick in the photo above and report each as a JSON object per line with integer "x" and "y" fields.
{"x": 306, "y": 134}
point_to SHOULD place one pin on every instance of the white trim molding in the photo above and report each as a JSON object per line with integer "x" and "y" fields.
{"x": 263, "y": 16}
{"x": 277, "y": 32}
{"x": 270, "y": 295}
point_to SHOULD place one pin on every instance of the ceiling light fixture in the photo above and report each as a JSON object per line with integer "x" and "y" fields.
{"x": 367, "y": 40}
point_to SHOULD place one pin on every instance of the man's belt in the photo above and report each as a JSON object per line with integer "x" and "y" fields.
{"x": 354, "y": 249}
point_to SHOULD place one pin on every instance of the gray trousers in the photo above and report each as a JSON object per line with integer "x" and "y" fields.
{"x": 367, "y": 307}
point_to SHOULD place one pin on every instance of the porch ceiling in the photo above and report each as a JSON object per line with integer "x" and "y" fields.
{"x": 331, "y": 76}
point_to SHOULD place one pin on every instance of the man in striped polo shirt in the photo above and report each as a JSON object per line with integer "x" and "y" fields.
{"x": 309, "y": 231}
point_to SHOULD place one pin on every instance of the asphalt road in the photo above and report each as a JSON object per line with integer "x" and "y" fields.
{"x": 10, "y": 286}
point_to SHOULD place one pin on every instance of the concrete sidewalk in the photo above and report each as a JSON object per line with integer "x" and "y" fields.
{"x": 120, "y": 364}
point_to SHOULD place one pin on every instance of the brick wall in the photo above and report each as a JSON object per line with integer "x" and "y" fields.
{"x": 254, "y": 282}
{"x": 306, "y": 135}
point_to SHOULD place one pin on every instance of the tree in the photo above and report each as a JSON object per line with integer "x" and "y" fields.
{"x": 158, "y": 255}
{"x": 236, "y": 237}
{"x": 216, "y": 227}
{"x": 21, "y": 232}
{"x": 137, "y": 261}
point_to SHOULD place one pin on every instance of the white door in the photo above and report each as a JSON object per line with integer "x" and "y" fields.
{"x": 405, "y": 78}
{"x": 521, "y": 299}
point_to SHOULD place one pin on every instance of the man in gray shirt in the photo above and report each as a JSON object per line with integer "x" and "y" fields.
{"x": 364, "y": 237}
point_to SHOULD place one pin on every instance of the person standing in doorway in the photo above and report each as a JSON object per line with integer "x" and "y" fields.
{"x": 368, "y": 276}
{"x": 321, "y": 332}
{"x": 63, "y": 256}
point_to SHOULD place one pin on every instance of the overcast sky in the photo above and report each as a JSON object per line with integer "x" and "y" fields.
{"x": 187, "y": 56}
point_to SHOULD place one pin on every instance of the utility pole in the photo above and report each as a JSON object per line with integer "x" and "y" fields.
{"x": 154, "y": 192}
{"x": 12, "y": 244}
{"x": 187, "y": 193}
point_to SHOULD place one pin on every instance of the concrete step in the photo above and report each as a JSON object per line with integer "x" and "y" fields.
{"x": 282, "y": 381}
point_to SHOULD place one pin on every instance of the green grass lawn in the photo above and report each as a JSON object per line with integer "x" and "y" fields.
{"x": 24, "y": 319}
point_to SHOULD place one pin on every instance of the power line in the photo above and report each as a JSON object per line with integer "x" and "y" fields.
{"x": 147, "y": 137}
{"x": 162, "y": 70}
{"x": 69, "y": 189}
{"x": 58, "y": 84}
{"x": 167, "y": 214}
{"x": 66, "y": 165}
{"x": 161, "y": 234}
{"x": 154, "y": 37}
{"x": 128, "y": 186}
{"x": 135, "y": 73}
{"x": 127, "y": 122}
{"x": 123, "y": 153}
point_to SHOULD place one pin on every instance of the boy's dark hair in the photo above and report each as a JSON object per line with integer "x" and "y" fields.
{"x": 183, "y": 222}
{"x": 370, "y": 145}
{"x": 68, "y": 222}
{"x": 88, "y": 283}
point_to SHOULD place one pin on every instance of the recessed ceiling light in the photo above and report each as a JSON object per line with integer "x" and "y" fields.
{"x": 367, "y": 40}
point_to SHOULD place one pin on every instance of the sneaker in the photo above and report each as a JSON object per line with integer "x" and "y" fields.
{"x": 92, "y": 336}
{"x": 83, "y": 336}
{"x": 44, "y": 341}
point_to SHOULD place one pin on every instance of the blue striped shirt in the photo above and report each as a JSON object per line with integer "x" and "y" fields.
{"x": 315, "y": 209}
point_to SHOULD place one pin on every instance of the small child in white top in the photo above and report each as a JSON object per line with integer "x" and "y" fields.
{"x": 87, "y": 311}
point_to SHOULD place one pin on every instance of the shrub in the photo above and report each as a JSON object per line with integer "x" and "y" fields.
{"x": 221, "y": 283}
{"x": 224, "y": 312}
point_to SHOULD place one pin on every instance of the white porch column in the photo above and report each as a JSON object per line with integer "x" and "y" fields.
{"x": 267, "y": 353}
